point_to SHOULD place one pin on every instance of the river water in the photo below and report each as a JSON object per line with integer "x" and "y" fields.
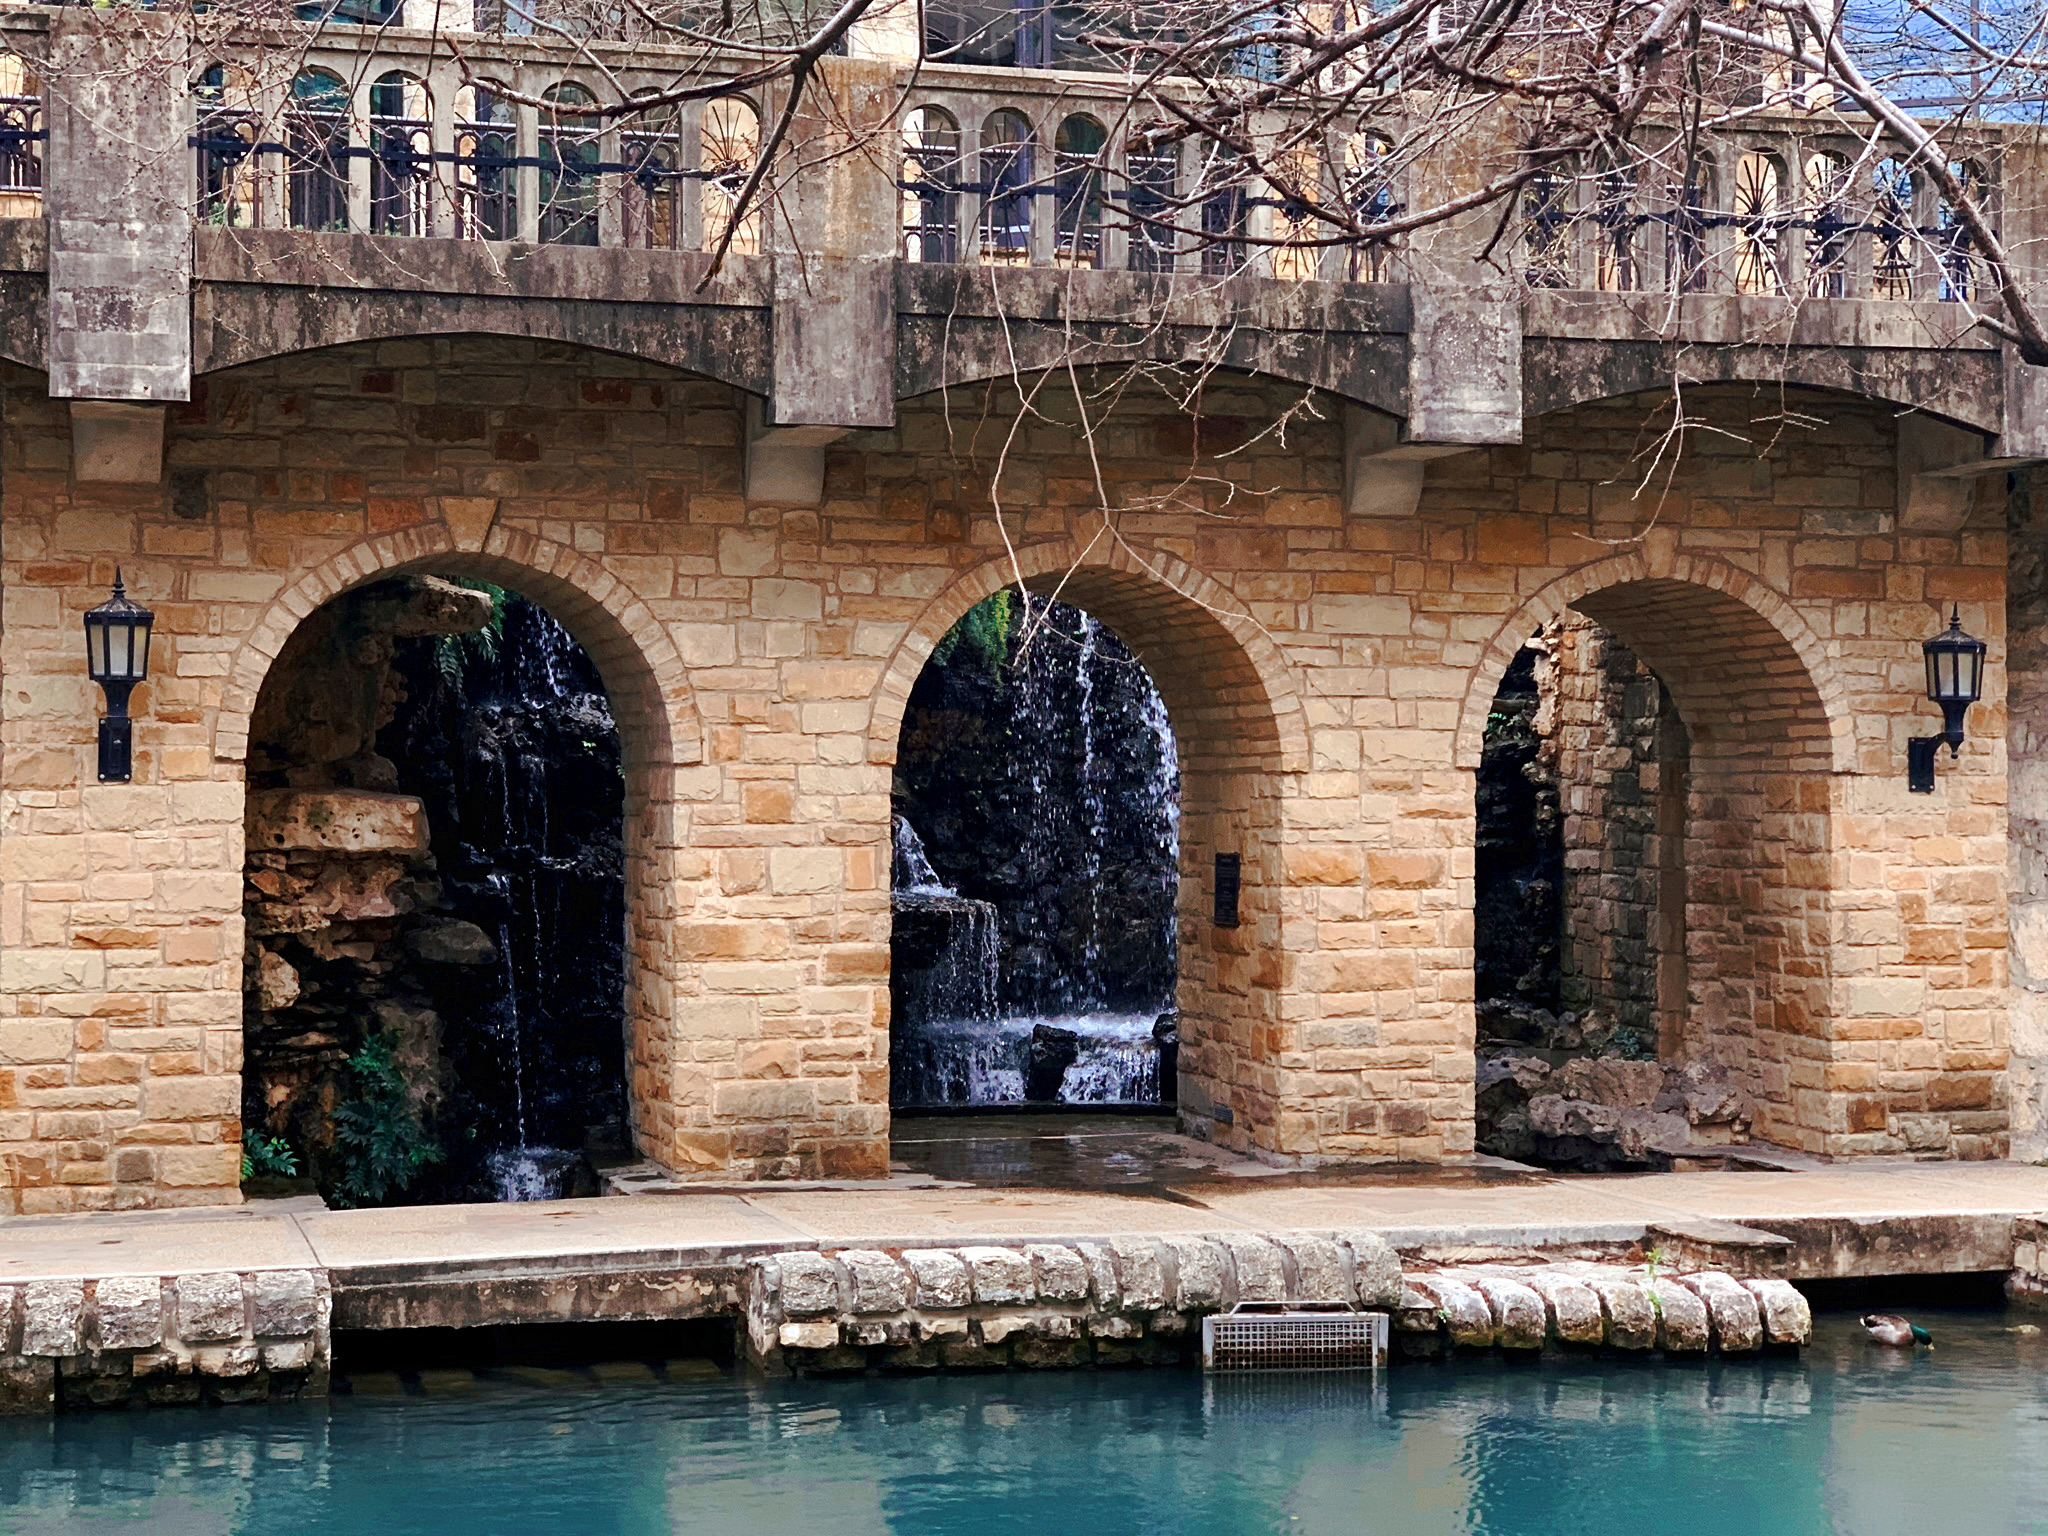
{"x": 1849, "y": 1439}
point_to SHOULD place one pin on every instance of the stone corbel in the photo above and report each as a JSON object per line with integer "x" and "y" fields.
{"x": 115, "y": 442}
{"x": 1938, "y": 469}
{"x": 1382, "y": 473}
{"x": 787, "y": 464}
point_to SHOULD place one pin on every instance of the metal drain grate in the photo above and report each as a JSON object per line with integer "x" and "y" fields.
{"x": 1259, "y": 1337}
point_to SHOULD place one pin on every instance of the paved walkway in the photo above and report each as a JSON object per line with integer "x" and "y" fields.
{"x": 1412, "y": 1207}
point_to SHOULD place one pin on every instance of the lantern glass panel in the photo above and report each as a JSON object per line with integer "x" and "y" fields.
{"x": 96, "y": 649}
{"x": 120, "y": 646}
{"x": 1973, "y": 674}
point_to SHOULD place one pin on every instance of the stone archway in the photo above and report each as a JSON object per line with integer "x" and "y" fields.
{"x": 1242, "y": 737}
{"x": 1769, "y": 736}
{"x": 652, "y": 703}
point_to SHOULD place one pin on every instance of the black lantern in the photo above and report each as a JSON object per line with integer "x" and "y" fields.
{"x": 117, "y": 656}
{"x": 1955, "y": 681}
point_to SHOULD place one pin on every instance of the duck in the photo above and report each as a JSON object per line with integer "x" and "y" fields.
{"x": 1890, "y": 1328}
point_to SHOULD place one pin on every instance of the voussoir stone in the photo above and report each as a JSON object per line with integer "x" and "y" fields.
{"x": 880, "y": 1284}
{"x": 1139, "y": 1273}
{"x": 1631, "y": 1320}
{"x": 1375, "y": 1269}
{"x": 130, "y": 1312}
{"x": 1463, "y": 1312}
{"x": 286, "y": 1302}
{"x": 1199, "y": 1273}
{"x": 1318, "y": 1269}
{"x": 1000, "y": 1277}
{"x": 53, "y": 1317}
{"x": 1261, "y": 1271}
{"x": 1786, "y": 1317}
{"x": 1062, "y": 1274}
{"x": 1682, "y": 1326}
{"x": 810, "y": 1284}
{"x": 1571, "y": 1308}
{"x": 209, "y": 1308}
{"x": 1737, "y": 1324}
{"x": 1519, "y": 1318}
{"x": 941, "y": 1277}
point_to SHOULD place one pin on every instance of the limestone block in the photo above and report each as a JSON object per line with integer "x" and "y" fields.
{"x": 810, "y": 1284}
{"x": 1682, "y": 1326}
{"x": 1261, "y": 1274}
{"x": 1631, "y": 1320}
{"x": 287, "y": 1302}
{"x": 1786, "y": 1317}
{"x": 1736, "y": 1322}
{"x": 1000, "y": 1276}
{"x": 1139, "y": 1273}
{"x": 340, "y": 820}
{"x": 821, "y": 1335}
{"x": 1571, "y": 1309}
{"x": 1318, "y": 1269}
{"x": 1199, "y": 1279}
{"x": 227, "y": 1362}
{"x": 53, "y": 1317}
{"x": 1417, "y": 1312}
{"x": 28, "y": 1384}
{"x": 1118, "y": 1327}
{"x": 941, "y": 1277}
{"x": 7, "y": 1334}
{"x": 1463, "y": 1312}
{"x": 1057, "y": 1325}
{"x": 209, "y": 1308}
{"x": 130, "y": 1312}
{"x": 1375, "y": 1269}
{"x": 291, "y": 1355}
{"x": 1519, "y": 1318}
{"x": 880, "y": 1284}
{"x": 942, "y": 1327}
{"x": 996, "y": 1329}
{"x": 1061, "y": 1273}
{"x": 1101, "y": 1265}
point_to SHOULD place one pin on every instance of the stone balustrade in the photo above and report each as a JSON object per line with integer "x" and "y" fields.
{"x": 219, "y": 1337}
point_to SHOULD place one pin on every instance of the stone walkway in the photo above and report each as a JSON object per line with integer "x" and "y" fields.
{"x": 1933, "y": 1217}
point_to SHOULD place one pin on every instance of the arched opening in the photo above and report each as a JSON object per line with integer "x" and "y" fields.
{"x": 1036, "y": 840}
{"x": 1651, "y": 945}
{"x": 435, "y": 890}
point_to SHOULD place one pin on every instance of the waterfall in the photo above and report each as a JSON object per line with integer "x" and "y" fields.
{"x": 1035, "y": 869}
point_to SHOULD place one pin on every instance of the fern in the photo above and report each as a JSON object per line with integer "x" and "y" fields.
{"x": 983, "y": 631}
{"x": 268, "y": 1157}
{"x": 379, "y": 1142}
{"x": 453, "y": 653}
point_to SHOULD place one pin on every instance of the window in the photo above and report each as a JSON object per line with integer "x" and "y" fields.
{"x": 316, "y": 150}
{"x": 1226, "y": 216}
{"x": 1615, "y": 269}
{"x": 1369, "y": 192}
{"x": 1958, "y": 267}
{"x": 931, "y": 170}
{"x": 569, "y": 158}
{"x": 486, "y": 173}
{"x": 1151, "y": 175}
{"x": 1686, "y": 244}
{"x": 226, "y": 128}
{"x": 729, "y": 142}
{"x": 1006, "y": 202}
{"x": 1077, "y": 192}
{"x": 1891, "y": 231}
{"x": 1547, "y": 231}
{"x": 402, "y": 157}
{"x": 651, "y": 148}
{"x": 1826, "y": 179}
{"x": 1759, "y": 198}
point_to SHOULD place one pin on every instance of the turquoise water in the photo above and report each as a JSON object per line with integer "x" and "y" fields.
{"x": 1848, "y": 1439}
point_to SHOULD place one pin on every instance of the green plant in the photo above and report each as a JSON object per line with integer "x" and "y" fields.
{"x": 1651, "y": 1260}
{"x": 380, "y": 1144}
{"x": 267, "y": 1157}
{"x": 453, "y": 653}
{"x": 984, "y": 631}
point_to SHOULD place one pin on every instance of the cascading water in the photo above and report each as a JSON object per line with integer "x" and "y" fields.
{"x": 512, "y": 746}
{"x": 1034, "y": 941}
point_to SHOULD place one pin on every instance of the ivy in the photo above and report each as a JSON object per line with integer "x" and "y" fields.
{"x": 380, "y": 1146}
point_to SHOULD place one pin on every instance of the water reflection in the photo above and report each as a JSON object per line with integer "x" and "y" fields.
{"x": 1848, "y": 1440}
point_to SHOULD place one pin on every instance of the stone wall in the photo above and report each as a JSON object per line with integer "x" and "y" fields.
{"x": 220, "y": 1338}
{"x": 1328, "y": 672}
{"x": 1616, "y": 744}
